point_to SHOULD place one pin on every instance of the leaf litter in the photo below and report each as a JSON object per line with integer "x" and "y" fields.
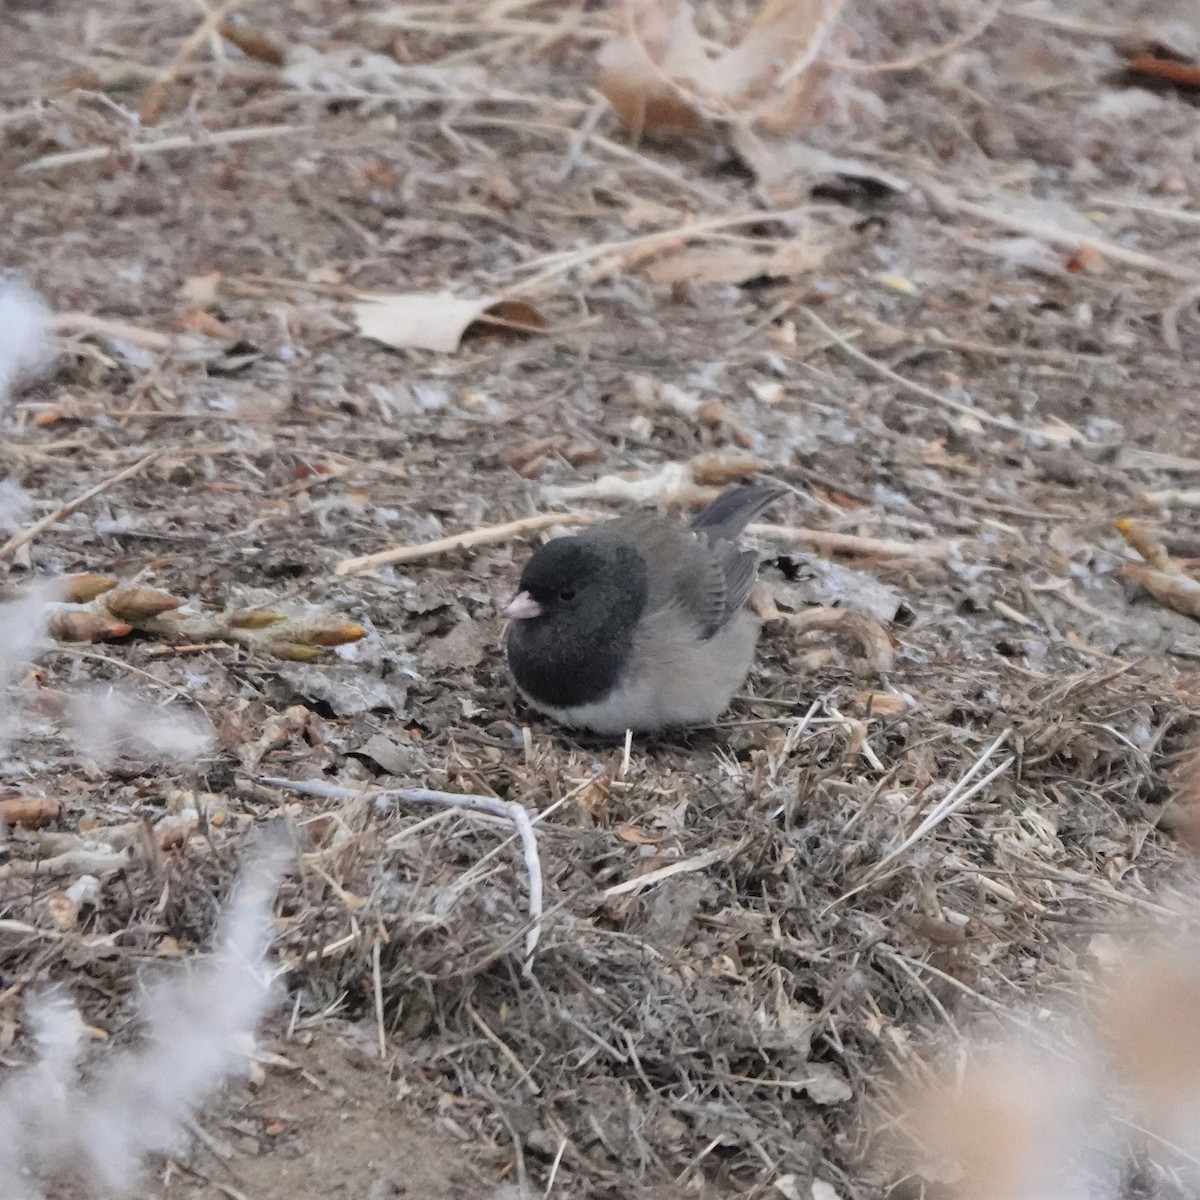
{"x": 726, "y": 983}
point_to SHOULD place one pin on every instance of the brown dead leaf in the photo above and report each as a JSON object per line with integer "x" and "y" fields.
{"x": 194, "y": 320}
{"x": 881, "y": 704}
{"x": 523, "y": 456}
{"x": 30, "y": 812}
{"x": 255, "y": 618}
{"x": 1087, "y": 260}
{"x": 294, "y": 651}
{"x": 62, "y": 911}
{"x": 717, "y": 469}
{"x": 79, "y": 589}
{"x": 639, "y": 837}
{"x": 172, "y": 831}
{"x": 137, "y": 603}
{"x": 871, "y": 636}
{"x": 326, "y": 631}
{"x": 1146, "y": 544}
{"x": 67, "y": 626}
{"x": 736, "y": 263}
{"x": 1172, "y": 588}
{"x": 662, "y": 78}
{"x": 1163, "y": 578}
{"x": 438, "y": 320}
{"x": 593, "y": 801}
{"x": 253, "y": 43}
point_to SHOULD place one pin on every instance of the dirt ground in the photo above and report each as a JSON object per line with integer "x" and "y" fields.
{"x": 946, "y": 370}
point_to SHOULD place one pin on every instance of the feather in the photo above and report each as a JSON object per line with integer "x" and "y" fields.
{"x": 735, "y": 508}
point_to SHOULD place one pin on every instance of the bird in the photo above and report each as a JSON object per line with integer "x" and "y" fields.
{"x": 640, "y": 623}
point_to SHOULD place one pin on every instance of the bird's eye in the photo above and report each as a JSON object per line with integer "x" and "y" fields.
{"x": 567, "y": 594}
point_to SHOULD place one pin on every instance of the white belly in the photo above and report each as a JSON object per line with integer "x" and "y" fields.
{"x": 673, "y": 679}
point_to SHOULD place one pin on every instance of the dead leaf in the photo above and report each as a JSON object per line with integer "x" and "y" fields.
{"x": 718, "y": 469}
{"x": 786, "y": 170}
{"x": 1087, "y": 260}
{"x": 661, "y": 77}
{"x": 1172, "y": 588}
{"x": 195, "y": 320}
{"x": 871, "y": 636}
{"x": 392, "y": 756}
{"x": 736, "y": 264}
{"x": 438, "y": 320}
{"x": 1149, "y": 70}
{"x": 462, "y": 648}
{"x": 325, "y": 631}
{"x": 1163, "y": 578}
{"x": 824, "y": 1085}
{"x": 62, "y": 911}
{"x": 80, "y": 588}
{"x": 68, "y": 626}
{"x": 882, "y": 704}
{"x": 137, "y": 603}
{"x": 639, "y": 837}
{"x": 202, "y": 291}
{"x": 1146, "y": 544}
{"x": 30, "y": 812}
{"x": 253, "y": 43}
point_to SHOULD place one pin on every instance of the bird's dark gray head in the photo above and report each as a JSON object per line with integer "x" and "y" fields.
{"x": 574, "y": 617}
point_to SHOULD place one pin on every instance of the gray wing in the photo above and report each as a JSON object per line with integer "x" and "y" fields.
{"x": 735, "y": 508}
{"x": 698, "y": 570}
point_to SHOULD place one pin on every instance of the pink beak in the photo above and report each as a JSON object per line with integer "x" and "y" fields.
{"x": 522, "y": 607}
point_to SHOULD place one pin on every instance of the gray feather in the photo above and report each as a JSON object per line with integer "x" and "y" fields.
{"x": 698, "y": 571}
{"x": 735, "y": 508}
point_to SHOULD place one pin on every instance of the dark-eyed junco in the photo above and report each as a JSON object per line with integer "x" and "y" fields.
{"x": 639, "y": 623}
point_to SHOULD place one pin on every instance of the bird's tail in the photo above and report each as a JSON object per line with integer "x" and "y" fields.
{"x": 735, "y": 508}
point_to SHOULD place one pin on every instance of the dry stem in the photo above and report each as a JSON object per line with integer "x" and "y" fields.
{"x": 507, "y": 809}
{"x": 65, "y": 510}
{"x": 491, "y": 535}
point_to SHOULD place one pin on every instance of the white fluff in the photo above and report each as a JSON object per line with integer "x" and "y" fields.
{"x": 200, "y": 1030}
{"x": 15, "y": 506}
{"x": 106, "y": 722}
{"x": 22, "y": 635}
{"x": 26, "y": 350}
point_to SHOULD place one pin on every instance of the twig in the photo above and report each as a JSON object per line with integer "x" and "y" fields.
{"x": 1067, "y": 23}
{"x": 508, "y": 809}
{"x": 562, "y": 261}
{"x": 914, "y": 61}
{"x": 488, "y": 535}
{"x": 377, "y": 985}
{"x": 853, "y": 544}
{"x": 222, "y": 137}
{"x": 949, "y": 804}
{"x": 917, "y": 389}
{"x": 504, "y": 1049}
{"x": 1155, "y": 210}
{"x": 154, "y": 98}
{"x": 699, "y": 863}
{"x": 1174, "y": 498}
{"x": 88, "y": 325}
{"x": 491, "y": 535}
{"x": 1171, "y": 314}
{"x": 1069, "y": 239}
{"x": 65, "y": 510}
